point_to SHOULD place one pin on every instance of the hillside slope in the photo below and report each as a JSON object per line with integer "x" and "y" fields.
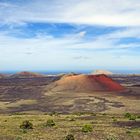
{"x": 87, "y": 83}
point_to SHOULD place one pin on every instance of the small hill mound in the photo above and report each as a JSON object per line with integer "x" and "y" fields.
{"x": 69, "y": 74}
{"x": 102, "y": 72}
{"x": 2, "y": 76}
{"x": 26, "y": 74}
{"x": 85, "y": 83}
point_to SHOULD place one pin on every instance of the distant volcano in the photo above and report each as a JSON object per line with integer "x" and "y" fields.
{"x": 26, "y": 74}
{"x": 102, "y": 72}
{"x": 2, "y": 75}
{"x": 85, "y": 83}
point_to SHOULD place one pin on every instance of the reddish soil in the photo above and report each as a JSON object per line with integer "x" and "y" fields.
{"x": 107, "y": 82}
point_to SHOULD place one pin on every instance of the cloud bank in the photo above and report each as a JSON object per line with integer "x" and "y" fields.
{"x": 92, "y": 12}
{"x": 72, "y": 34}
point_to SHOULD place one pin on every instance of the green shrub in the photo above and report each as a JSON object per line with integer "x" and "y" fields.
{"x": 128, "y": 132}
{"x": 53, "y": 113}
{"x": 71, "y": 118}
{"x": 111, "y": 138}
{"x": 46, "y": 113}
{"x": 93, "y": 114}
{"x": 130, "y": 116}
{"x": 104, "y": 114}
{"x": 87, "y": 128}
{"x": 26, "y": 125}
{"x": 127, "y": 115}
{"x": 50, "y": 123}
{"x": 114, "y": 119}
{"x": 18, "y": 113}
{"x": 69, "y": 137}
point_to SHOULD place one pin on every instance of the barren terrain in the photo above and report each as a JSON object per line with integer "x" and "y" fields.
{"x": 32, "y": 99}
{"x": 32, "y": 95}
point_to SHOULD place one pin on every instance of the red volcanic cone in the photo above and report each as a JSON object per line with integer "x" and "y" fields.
{"x": 86, "y": 83}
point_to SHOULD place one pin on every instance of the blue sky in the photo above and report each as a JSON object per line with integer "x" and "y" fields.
{"x": 69, "y": 35}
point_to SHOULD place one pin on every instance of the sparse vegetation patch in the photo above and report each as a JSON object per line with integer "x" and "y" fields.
{"x": 69, "y": 137}
{"x": 87, "y": 128}
{"x": 26, "y": 125}
{"x": 50, "y": 123}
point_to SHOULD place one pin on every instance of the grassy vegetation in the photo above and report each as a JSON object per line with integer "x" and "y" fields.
{"x": 50, "y": 123}
{"x": 87, "y": 128}
{"x": 131, "y": 116}
{"x": 26, "y": 125}
{"x": 69, "y": 137}
{"x": 99, "y": 126}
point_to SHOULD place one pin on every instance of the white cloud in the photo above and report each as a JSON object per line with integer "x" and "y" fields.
{"x": 48, "y": 52}
{"x": 99, "y": 12}
{"x": 82, "y": 34}
{"x": 126, "y": 33}
{"x": 58, "y": 52}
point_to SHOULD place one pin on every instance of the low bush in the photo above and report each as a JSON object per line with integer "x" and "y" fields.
{"x": 128, "y": 132}
{"x": 111, "y": 138}
{"x": 69, "y": 137}
{"x": 50, "y": 123}
{"x": 130, "y": 116}
{"x": 71, "y": 118}
{"x": 26, "y": 125}
{"x": 53, "y": 113}
{"x": 104, "y": 114}
{"x": 93, "y": 114}
{"x": 87, "y": 128}
{"x": 127, "y": 115}
{"x": 114, "y": 119}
